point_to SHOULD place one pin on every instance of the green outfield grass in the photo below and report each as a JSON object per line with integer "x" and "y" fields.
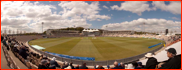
{"x": 102, "y": 48}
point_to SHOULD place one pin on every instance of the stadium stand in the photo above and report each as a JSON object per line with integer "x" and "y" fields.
{"x": 62, "y": 33}
{"x": 33, "y": 60}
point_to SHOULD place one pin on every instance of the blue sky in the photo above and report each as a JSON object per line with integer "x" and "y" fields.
{"x": 121, "y": 16}
{"x": 110, "y": 16}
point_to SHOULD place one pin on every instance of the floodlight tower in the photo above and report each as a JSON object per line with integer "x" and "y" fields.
{"x": 42, "y": 26}
{"x": 144, "y": 27}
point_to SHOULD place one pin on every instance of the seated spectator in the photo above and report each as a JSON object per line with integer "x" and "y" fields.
{"x": 71, "y": 65}
{"x": 174, "y": 61}
{"x": 65, "y": 65}
{"x": 116, "y": 65}
{"x": 129, "y": 66}
{"x": 96, "y": 66}
{"x": 140, "y": 65}
{"x": 53, "y": 63}
{"x": 15, "y": 49}
{"x": 31, "y": 53}
{"x": 27, "y": 49}
{"x": 14, "y": 39}
{"x": 12, "y": 45}
{"x": 151, "y": 62}
{"x": 21, "y": 43}
{"x": 38, "y": 56}
{"x": 83, "y": 66}
{"x": 108, "y": 67}
{"x": 45, "y": 59}
{"x": 16, "y": 45}
{"x": 121, "y": 65}
{"x": 5, "y": 44}
{"x": 2, "y": 38}
{"x": 41, "y": 56}
{"x": 9, "y": 41}
{"x": 44, "y": 65}
{"x": 34, "y": 54}
{"x": 23, "y": 53}
{"x": 77, "y": 67}
{"x": 100, "y": 67}
{"x": 125, "y": 66}
{"x": 135, "y": 65}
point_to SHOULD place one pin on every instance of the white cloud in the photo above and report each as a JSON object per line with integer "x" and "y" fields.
{"x": 80, "y": 8}
{"x": 133, "y": 6}
{"x": 150, "y": 25}
{"x": 26, "y": 16}
{"x": 105, "y": 7}
{"x": 15, "y": 23}
{"x": 173, "y": 7}
{"x": 140, "y": 6}
{"x": 98, "y": 20}
{"x": 36, "y": 2}
{"x": 175, "y": 18}
{"x": 94, "y": 17}
{"x": 19, "y": 8}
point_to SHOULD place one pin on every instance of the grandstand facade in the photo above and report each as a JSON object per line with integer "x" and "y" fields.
{"x": 91, "y": 32}
{"x": 61, "y": 33}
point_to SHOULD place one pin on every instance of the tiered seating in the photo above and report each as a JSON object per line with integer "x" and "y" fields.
{"x": 33, "y": 60}
{"x": 165, "y": 38}
{"x": 10, "y": 61}
{"x": 66, "y": 34}
{"x": 26, "y": 38}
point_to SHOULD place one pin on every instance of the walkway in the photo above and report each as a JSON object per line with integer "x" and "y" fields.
{"x": 15, "y": 59}
{"x": 4, "y": 64}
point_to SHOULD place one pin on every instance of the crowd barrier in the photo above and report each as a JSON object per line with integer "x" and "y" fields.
{"x": 92, "y": 63}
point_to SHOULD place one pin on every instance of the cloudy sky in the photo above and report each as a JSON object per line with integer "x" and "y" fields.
{"x": 120, "y": 15}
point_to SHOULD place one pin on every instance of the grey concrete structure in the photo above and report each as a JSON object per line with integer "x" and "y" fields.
{"x": 51, "y": 32}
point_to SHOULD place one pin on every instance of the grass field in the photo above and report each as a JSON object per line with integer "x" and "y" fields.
{"x": 102, "y": 48}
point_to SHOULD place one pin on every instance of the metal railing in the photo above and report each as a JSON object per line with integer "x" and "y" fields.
{"x": 92, "y": 63}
